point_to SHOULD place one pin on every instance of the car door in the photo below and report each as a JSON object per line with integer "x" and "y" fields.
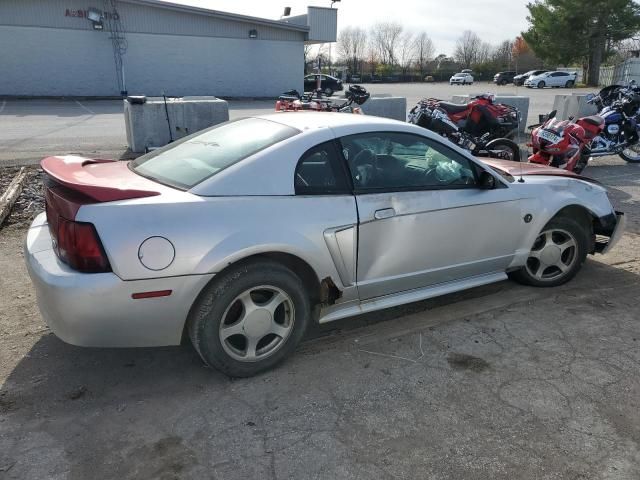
{"x": 309, "y": 83}
{"x": 423, "y": 219}
{"x": 559, "y": 79}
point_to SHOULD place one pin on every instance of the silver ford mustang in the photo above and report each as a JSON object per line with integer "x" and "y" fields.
{"x": 241, "y": 235}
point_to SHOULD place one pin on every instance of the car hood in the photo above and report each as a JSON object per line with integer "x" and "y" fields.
{"x": 517, "y": 169}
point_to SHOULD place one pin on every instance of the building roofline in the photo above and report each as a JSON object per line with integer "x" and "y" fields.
{"x": 220, "y": 14}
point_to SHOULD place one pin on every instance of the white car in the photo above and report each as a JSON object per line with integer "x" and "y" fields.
{"x": 462, "y": 78}
{"x": 552, "y": 79}
{"x": 242, "y": 235}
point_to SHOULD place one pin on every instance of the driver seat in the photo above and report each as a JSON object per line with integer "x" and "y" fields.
{"x": 452, "y": 107}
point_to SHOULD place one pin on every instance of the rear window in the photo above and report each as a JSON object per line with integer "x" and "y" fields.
{"x": 195, "y": 158}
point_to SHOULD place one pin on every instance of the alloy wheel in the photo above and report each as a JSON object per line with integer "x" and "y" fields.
{"x": 554, "y": 253}
{"x": 257, "y": 323}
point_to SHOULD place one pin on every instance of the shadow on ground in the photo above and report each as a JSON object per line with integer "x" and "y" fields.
{"x": 498, "y": 382}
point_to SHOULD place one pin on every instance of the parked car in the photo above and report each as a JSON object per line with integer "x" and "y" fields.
{"x": 355, "y": 78}
{"x": 428, "y": 78}
{"x": 552, "y": 79}
{"x": 241, "y": 235}
{"x": 461, "y": 78}
{"x": 328, "y": 84}
{"x": 503, "y": 78}
{"x": 519, "y": 80}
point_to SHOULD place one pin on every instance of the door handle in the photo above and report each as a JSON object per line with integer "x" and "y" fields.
{"x": 384, "y": 213}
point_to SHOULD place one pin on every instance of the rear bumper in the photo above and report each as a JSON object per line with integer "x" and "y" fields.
{"x": 97, "y": 309}
{"x": 609, "y": 229}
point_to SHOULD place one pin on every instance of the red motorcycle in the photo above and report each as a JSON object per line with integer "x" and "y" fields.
{"x": 565, "y": 144}
{"x": 481, "y": 116}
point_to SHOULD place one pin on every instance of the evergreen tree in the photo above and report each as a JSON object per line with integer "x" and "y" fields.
{"x": 567, "y": 31}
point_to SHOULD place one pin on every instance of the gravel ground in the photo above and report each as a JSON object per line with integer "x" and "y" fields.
{"x": 500, "y": 382}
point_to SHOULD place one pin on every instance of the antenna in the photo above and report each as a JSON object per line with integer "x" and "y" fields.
{"x": 521, "y": 179}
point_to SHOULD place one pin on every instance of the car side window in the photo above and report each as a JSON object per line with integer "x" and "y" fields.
{"x": 319, "y": 172}
{"x": 393, "y": 161}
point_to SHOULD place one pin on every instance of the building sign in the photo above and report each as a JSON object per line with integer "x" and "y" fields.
{"x": 69, "y": 12}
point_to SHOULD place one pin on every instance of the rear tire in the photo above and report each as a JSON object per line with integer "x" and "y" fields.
{"x": 569, "y": 84}
{"x": 541, "y": 84}
{"x": 250, "y": 318}
{"x": 507, "y": 145}
{"x": 328, "y": 92}
{"x": 557, "y": 254}
{"x": 631, "y": 159}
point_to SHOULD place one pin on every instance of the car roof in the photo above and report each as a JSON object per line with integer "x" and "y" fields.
{"x": 313, "y": 120}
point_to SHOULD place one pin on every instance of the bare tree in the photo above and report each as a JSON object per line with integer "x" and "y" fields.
{"x": 371, "y": 56}
{"x": 467, "y": 48}
{"x": 385, "y": 37}
{"x": 351, "y": 45}
{"x": 406, "y": 51}
{"x": 484, "y": 53}
{"x": 307, "y": 56}
{"x": 503, "y": 54}
{"x": 424, "y": 52}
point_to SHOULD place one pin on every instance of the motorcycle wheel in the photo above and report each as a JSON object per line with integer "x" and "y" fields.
{"x": 505, "y": 145}
{"x": 581, "y": 164}
{"x": 631, "y": 154}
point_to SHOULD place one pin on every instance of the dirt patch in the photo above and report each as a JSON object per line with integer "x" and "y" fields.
{"x": 31, "y": 201}
{"x": 462, "y": 361}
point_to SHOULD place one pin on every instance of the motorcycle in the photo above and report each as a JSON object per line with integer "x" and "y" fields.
{"x": 430, "y": 115}
{"x": 292, "y": 101}
{"x": 570, "y": 144}
{"x": 608, "y": 95}
{"x": 478, "y": 117}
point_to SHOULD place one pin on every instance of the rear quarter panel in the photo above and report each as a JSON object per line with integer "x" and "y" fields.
{"x": 209, "y": 233}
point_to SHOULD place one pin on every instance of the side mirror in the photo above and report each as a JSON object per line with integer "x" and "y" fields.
{"x": 487, "y": 181}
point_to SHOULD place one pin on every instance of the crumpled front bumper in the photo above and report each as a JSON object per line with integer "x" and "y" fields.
{"x": 97, "y": 309}
{"x": 609, "y": 229}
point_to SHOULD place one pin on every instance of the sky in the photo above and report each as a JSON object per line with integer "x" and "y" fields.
{"x": 443, "y": 20}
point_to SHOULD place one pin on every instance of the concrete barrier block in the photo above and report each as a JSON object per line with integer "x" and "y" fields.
{"x": 560, "y": 105}
{"x": 519, "y": 102}
{"x": 582, "y": 108}
{"x": 388, "y": 107}
{"x": 147, "y": 126}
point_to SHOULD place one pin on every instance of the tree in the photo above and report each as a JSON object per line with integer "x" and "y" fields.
{"x": 467, "y": 48}
{"x": 406, "y": 52}
{"x": 307, "y": 57}
{"x": 385, "y": 38}
{"x": 351, "y": 47}
{"x": 568, "y": 31}
{"x": 424, "y": 52}
{"x": 503, "y": 54}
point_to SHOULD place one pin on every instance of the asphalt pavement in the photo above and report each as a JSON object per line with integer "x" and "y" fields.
{"x": 33, "y": 129}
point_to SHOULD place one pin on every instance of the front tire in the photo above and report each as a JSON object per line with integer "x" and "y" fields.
{"x": 328, "y": 92}
{"x": 541, "y": 84}
{"x": 250, "y": 318}
{"x": 557, "y": 254}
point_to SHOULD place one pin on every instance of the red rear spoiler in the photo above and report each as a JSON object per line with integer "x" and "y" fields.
{"x": 101, "y": 180}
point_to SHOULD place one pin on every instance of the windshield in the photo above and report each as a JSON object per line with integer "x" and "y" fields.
{"x": 190, "y": 160}
{"x": 460, "y": 75}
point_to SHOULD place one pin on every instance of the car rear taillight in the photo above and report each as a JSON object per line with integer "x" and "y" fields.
{"x": 77, "y": 244}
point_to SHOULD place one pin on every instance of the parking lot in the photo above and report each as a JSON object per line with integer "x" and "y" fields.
{"x": 499, "y": 382}
{"x": 32, "y": 129}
